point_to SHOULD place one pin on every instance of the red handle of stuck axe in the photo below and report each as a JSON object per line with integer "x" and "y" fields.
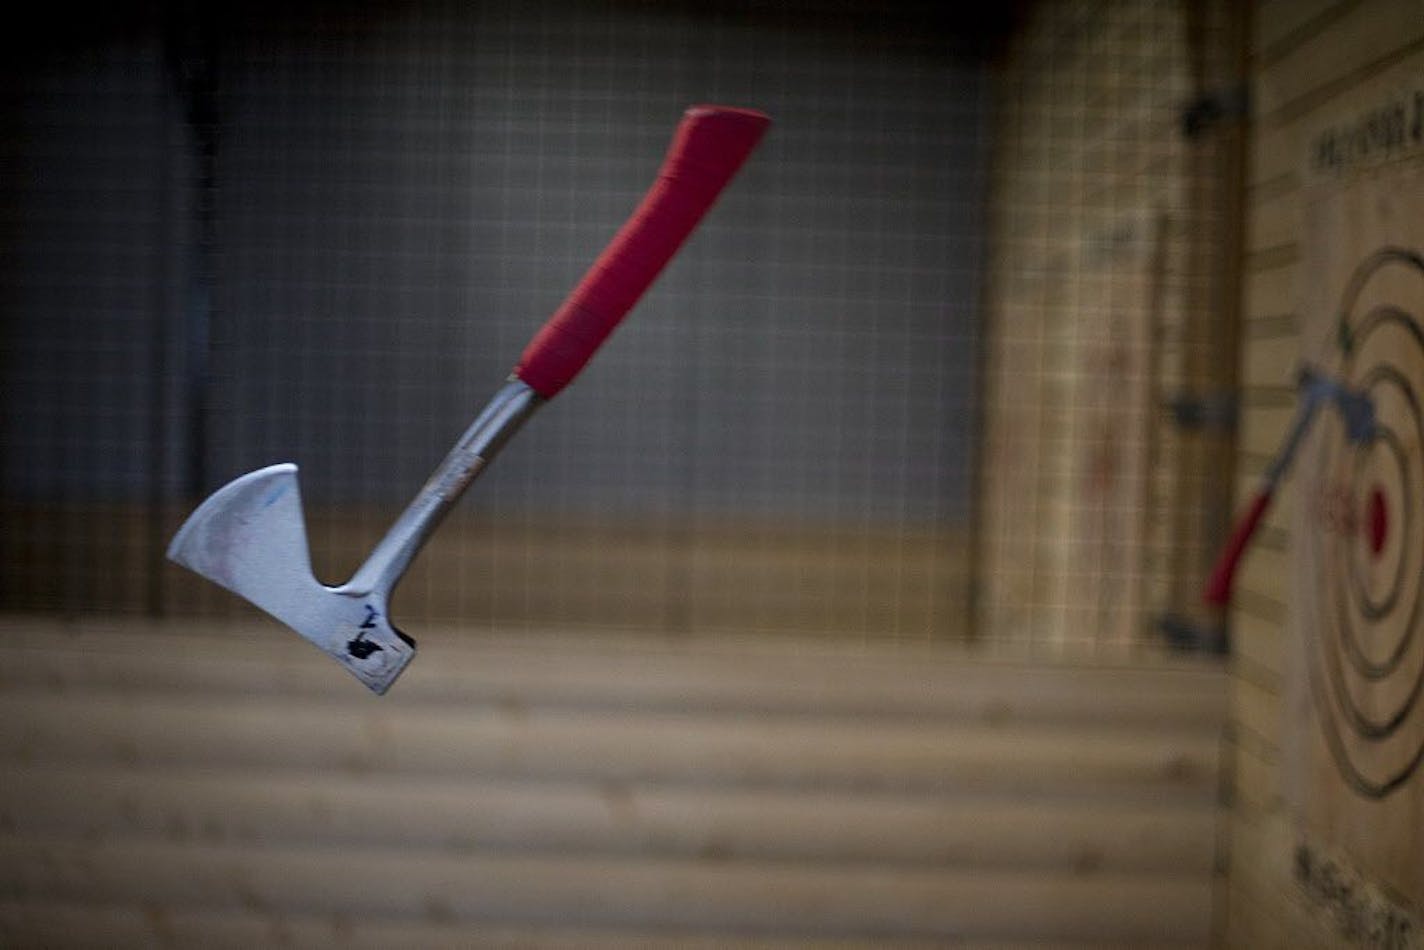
{"x": 711, "y": 143}
{"x": 1217, "y": 592}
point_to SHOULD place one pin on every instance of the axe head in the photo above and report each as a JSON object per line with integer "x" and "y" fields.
{"x": 251, "y": 538}
{"x": 1356, "y": 408}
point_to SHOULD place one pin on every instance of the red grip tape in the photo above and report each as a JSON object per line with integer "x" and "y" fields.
{"x": 1223, "y": 575}
{"x": 710, "y": 146}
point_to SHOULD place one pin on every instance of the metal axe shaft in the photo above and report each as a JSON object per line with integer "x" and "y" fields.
{"x": 511, "y": 406}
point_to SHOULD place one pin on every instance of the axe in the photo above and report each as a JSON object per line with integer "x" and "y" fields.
{"x": 1314, "y": 389}
{"x": 250, "y": 536}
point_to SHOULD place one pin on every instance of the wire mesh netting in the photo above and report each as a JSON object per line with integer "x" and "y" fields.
{"x": 1109, "y": 302}
{"x": 323, "y": 233}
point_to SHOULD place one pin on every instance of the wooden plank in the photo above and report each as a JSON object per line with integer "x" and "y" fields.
{"x": 1272, "y": 326}
{"x": 1263, "y": 428}
{"x": 735, "y": 779}
{"x": 1256, "y": 707}
{"x": 474, "y": 670}
{"x": 1363, "y": 127}
{"x": 474, "y": 815}
{"x": 1253, "y": 910}
{"x": 1280, "y": 25}
{"x": 1265, "y": 573}
{"x": 811, "y": 576}
{"x": 1273, "y": 162}
{"x": 1363, "y": 39}
{"x": 1272, "y": 361}
{"x": 1259, "y": 642}
{"x": 1279, "y": 160}
{"x": 1270, "y": 292}
{"x": 1250, "y": 601}
{"x": 770, "y": 752}
{"x": 1282, "y": 255}
{"x": 745, "y": 897}
{"x": 140, "y": 927}
{"x": 1250, "y": 467}
{"x": 1255, "y": 778}
{"x": 1265, "y": 900}
{"x": 1274, "y": 221}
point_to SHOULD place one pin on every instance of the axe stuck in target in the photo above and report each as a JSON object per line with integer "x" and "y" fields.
{"x": 250, "y": 535}
{"x": 1314, "y": 391}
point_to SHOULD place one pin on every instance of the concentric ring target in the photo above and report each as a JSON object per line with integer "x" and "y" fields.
{"x": 1367, "y": 655}
{"x": 1381, "y": 469}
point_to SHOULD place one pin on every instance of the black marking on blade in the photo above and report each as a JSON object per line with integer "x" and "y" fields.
{"x": 359, "y": 646}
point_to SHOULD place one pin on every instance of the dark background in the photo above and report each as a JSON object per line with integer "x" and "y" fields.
{"x": 235, "y": 235}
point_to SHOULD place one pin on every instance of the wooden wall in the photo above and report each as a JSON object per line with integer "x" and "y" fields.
{"x": 216, "y": 785}
{"x": 1102, "y": 308}
{"x": 1314, "y": 61}
{"x": 778, "y": 576}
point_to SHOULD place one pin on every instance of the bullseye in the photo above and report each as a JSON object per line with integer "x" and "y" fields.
{"x": 1377, "y": 521}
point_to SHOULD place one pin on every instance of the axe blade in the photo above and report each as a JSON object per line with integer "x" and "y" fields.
{"x": 250, "y": 537}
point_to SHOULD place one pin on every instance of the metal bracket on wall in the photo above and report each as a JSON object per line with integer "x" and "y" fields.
{"x": 1187, "y": 635}
{"x": 1211, "y": 108}
{"x": 1212, "y": 412}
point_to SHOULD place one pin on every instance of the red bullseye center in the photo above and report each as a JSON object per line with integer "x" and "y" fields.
{"x": 1377, "y": 521}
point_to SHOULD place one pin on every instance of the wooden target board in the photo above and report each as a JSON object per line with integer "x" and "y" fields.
{"x": 1354, "y": 736}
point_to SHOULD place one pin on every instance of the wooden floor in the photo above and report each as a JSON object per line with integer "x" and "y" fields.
{"x": 228, "y": 786}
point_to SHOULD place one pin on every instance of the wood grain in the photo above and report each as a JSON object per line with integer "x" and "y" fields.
{"x": 217, "y": 784}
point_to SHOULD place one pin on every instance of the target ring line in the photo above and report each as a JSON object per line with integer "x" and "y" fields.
{"x": 1366, "y": 662}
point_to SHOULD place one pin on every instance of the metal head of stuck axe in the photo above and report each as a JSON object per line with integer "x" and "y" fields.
{"x": 250, "y": 536}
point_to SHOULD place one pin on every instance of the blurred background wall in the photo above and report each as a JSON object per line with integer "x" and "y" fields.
{"x": 323, "y": 233}
{"x": 1337, "y": 122}
{"x": 954, "y": 360}
{"x": 1110, "y": 321}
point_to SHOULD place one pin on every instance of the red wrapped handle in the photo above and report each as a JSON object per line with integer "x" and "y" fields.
{"x": 1223, "y": 574}
{"x": 711, "y": 143}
